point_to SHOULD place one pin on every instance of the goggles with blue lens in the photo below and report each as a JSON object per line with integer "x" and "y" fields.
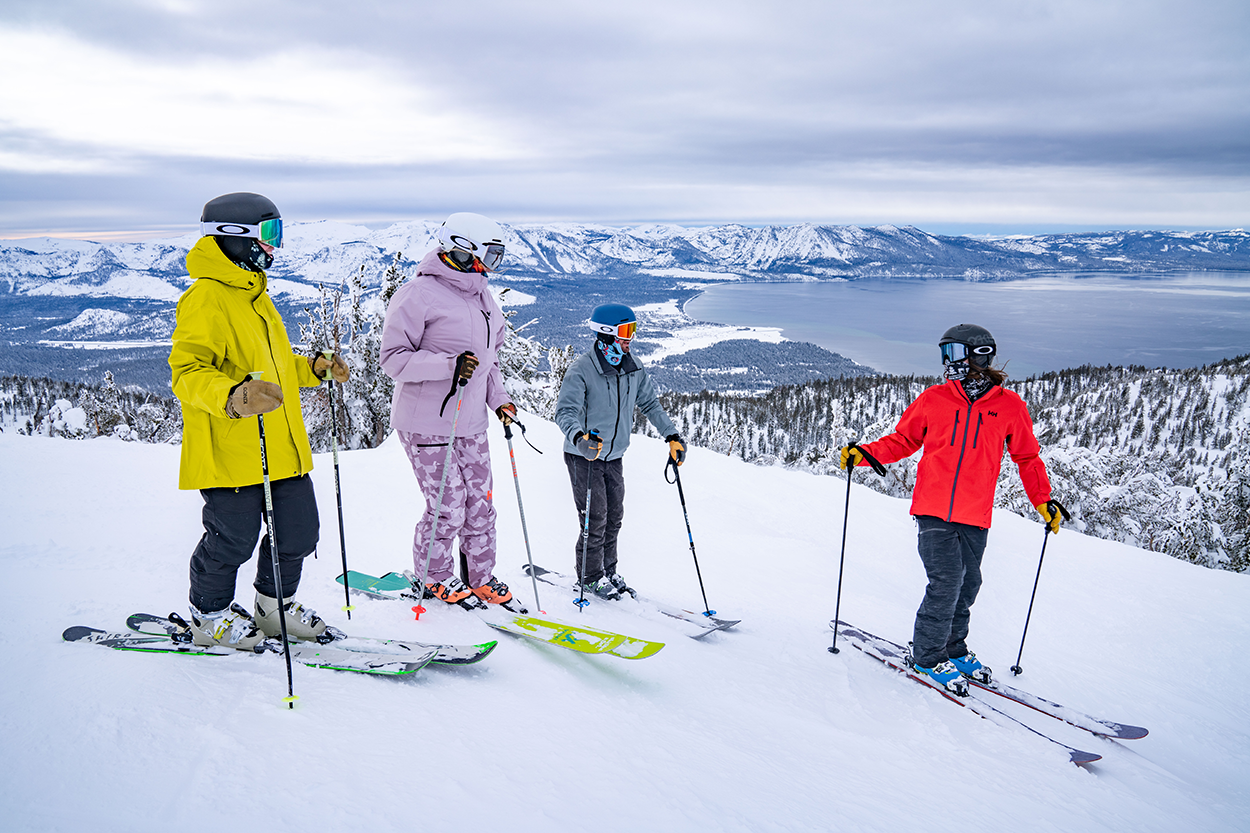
{"x": 955, "y": 352}
{"x": 268, "y": 232}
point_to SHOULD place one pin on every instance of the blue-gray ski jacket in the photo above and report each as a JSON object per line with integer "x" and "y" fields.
{"x": 595, "y": 396}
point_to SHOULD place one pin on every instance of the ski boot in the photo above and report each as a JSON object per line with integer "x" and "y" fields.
{"x": 497, "y": 593}
{"x": 603, "y": 588}
{"x": 972, "y": 668}
{"x": 621, "y": 587}
{"x": 302, "y": 624}
{"x": 945, "y": 675}
{"x": 453, "y": 591}
{"x": 232, "y": 628}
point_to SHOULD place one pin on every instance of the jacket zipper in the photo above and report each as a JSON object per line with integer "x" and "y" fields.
{"x": 950, "y": 512}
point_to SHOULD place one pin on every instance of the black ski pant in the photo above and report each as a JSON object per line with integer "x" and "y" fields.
{"x": 606, "y": 480}
{"x": 233, "y": 519}
{"x": 951, "y": 553}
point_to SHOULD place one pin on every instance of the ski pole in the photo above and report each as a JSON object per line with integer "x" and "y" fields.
{"x": 438, "y": 504}
{"x": 273, "y": 554}
{"x": 516, "y": 480}
{"x": 1016, "y": 670}
{"x": 581, "y": 572}
{"x": 338, "y": 491}
{"x": 681, "y": 495}
{"x": 846, "y": 514}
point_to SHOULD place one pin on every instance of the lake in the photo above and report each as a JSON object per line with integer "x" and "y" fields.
{"x": 1040, "y": 324}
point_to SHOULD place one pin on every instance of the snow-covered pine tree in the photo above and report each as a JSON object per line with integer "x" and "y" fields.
{"x": 367, "y": 394}
{"x": 325, "y": 329}
{"x": 519, "y": 357}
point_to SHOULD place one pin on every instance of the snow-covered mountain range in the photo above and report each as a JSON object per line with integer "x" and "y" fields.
{"x": 328, "y": 251}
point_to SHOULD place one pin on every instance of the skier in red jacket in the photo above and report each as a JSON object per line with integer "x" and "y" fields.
{"x": 962, "y": 425}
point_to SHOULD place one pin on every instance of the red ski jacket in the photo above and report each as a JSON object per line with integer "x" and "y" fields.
{"x": 963, "y": 451}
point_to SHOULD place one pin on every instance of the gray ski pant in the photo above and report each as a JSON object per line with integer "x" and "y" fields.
{"x": 951, "y": 553}
{"x": 607, "y": 511}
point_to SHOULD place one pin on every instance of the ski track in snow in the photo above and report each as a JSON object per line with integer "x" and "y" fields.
{"x": 758, "y": 728}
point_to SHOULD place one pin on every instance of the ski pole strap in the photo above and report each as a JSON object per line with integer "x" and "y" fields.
{"x": 872, "y": 461}
{"x": 1056, "y": 505}
{"x": 452, "y": 392}
{"x": 673, "y": 465}
{"x": 507, "y": 433}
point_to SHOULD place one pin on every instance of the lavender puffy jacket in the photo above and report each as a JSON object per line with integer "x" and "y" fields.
{"x": 436, "y": 316}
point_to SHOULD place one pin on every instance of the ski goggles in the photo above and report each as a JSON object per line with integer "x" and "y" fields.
{"x": 492, "y": 257}
{"x": 955, "y": 352}
{"x": 268, "y": 232}
{"x": 627, "y": 330}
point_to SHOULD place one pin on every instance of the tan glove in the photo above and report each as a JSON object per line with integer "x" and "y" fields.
{"x": 335, "y": 366}
{"x": 1050, "y": 514}
{"x": 253, "y": 397}
{"x": 851, "y": 456}
{"x": 506, "y": 413}
{"x": 676, "y": 448}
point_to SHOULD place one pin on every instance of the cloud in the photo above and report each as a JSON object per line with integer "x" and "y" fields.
{"x": 1041, "y": 111}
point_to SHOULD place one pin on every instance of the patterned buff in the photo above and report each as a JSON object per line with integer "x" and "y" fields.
{"x": 976, "y": 386}
{"x": 612, "y": 353}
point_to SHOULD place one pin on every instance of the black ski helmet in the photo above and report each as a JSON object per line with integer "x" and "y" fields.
{"x": 234, "y": 221}
{"x": 976, "y": 338}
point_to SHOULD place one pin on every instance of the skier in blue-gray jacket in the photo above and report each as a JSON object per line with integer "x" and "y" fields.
{"x": 595, "y": 410}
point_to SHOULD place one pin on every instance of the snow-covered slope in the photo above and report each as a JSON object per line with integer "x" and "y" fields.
{"x": 756, "y": 729}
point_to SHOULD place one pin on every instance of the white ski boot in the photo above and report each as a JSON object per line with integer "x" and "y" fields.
{"x": 232, "y": 627}
{"x": 302, "y": 624}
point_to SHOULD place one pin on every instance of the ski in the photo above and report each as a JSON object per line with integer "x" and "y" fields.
{"x": 705, "y": 623}
{"x": 894, "y": 656}
{"x": 151, "y": 625}
{"x": 577, "y": 638}
{"x": 403, "y": 586}
{"x": 1093, "y": 725}
{"x": 306, "y": 653}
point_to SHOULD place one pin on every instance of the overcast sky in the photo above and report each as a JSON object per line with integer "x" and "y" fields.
{"x": 123, "y": 117}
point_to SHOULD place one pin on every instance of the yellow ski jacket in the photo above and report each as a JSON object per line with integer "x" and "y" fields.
{"x": 227, "y": 327}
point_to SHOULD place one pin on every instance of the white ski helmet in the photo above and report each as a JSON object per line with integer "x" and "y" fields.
{"x": 478, "y": 236}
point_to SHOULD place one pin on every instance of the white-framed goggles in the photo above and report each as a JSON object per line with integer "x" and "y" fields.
{"x": 625, "y": 330}
{"x": 955, "y": 352}
{"x": 268, "y": 232}
{"x": 492, "y": 256}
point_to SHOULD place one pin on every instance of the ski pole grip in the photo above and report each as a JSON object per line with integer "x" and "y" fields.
{"x": 872, "y": 461}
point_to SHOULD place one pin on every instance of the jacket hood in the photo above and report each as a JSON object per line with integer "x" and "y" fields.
{"x": 469, "y": 283}
{"x": 206, "y": 260}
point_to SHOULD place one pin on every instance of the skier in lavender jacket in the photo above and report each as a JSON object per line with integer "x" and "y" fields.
{"x": 441, "y": 327}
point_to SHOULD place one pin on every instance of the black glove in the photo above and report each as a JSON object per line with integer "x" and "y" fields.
{"x": 676, "y": 448}
{"x": 589, "y": 445}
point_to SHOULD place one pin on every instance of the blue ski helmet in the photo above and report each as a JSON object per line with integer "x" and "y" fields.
{"x": 615, "y": 320}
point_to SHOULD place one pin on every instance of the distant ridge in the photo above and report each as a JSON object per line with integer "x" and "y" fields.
{"x": 328, "y": 251}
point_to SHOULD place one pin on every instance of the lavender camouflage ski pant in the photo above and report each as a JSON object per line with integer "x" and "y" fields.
{"x": 467, "y": 510}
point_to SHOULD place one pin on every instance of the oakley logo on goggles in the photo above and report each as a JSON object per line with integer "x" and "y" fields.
{"x": 956, "y": 352}
{"x": 268, "y": 232}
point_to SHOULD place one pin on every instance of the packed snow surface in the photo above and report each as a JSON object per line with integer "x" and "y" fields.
{"x": 758, "y": 728}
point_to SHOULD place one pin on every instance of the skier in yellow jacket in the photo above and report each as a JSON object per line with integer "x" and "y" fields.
{"x": 227, "y": 329}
